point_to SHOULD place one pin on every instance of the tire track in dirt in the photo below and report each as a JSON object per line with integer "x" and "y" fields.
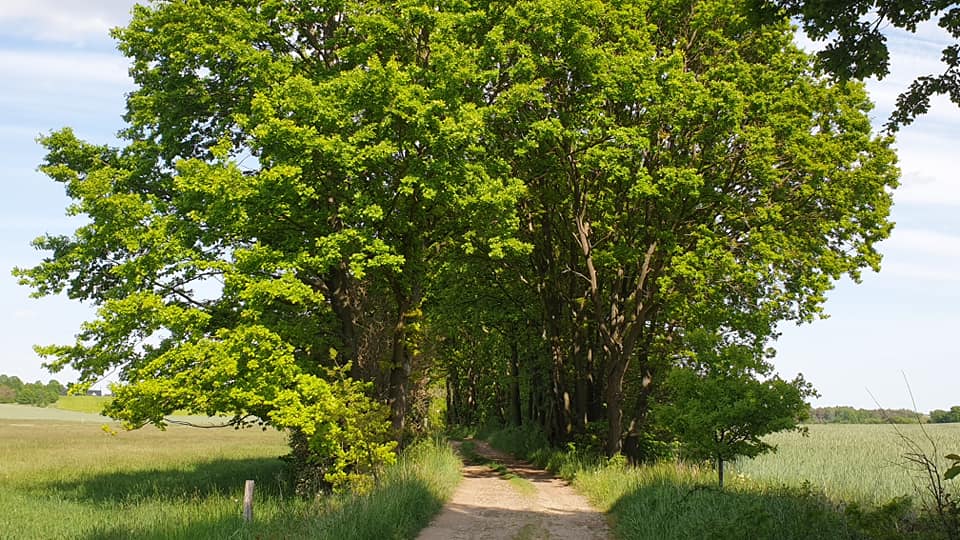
{"x": 489, "y": 505}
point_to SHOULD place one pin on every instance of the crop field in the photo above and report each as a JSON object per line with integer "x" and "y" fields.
{"x": 851, "y": 462}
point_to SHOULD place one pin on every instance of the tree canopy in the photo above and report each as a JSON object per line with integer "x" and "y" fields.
{"x": 325, "y": 212}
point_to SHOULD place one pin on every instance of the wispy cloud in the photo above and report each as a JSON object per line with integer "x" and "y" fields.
{"x": 63, "y": 21}
{"x": 925, "y": 242}
{"x": 36, "y": 67}
{"x": 922, "y": 255}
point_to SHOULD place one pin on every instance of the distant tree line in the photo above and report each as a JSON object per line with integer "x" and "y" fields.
{"x": 13, "y": 390}
{"x": 850, "y": 415}
{"x": 938, "y": 416}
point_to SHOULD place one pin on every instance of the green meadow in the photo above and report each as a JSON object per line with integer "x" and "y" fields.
{"x": 65, "y": 475}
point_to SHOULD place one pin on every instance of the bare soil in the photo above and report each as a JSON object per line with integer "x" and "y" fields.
{"x": 526, "y": 503}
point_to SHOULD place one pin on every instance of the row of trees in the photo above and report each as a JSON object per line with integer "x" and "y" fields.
{"x": 938, "y": 416}
{"x": 13, "y": 390}
{"x": 586, "y": 217}
{"x": 850, "y": 415}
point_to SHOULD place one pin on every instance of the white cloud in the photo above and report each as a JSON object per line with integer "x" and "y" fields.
{"x": 25, "y": 314}
{"x": 63, "y": 21}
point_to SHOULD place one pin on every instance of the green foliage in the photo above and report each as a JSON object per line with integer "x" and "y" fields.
{"x": 13, "y": 382}
{"x": 13, "y": 390}
{"x": 943, "y": 417}
{"x": 339, "y": 436}
{"x": 856, "y": 47}
{"x": 954, "y": 469}
{"x": 268, "y": 219}
{"x": 850, "y": 415}
{"x": 725, "y": 400}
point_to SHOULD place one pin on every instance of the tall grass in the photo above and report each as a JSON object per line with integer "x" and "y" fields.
{"x": 74, "y": 481}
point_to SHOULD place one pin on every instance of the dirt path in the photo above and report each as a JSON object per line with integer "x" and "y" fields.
{"x": 520, "y": 503}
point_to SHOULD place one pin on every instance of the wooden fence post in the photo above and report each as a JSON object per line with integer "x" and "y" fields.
{"x": 248, "y": 501}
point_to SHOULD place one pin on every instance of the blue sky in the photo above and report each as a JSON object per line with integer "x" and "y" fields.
{"x": 61, "y": 69}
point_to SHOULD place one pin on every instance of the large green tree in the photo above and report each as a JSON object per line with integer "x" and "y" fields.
{"x": 685, "y": 169}
{"x": 257, "y": 247}
{"x": 315, "y": 199}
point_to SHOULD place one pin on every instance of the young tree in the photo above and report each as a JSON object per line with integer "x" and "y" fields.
{"x": 724, "y": 399}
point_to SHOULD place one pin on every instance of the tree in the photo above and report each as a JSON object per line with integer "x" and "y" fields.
{"x": 7, "y": 394}
{"x": 724, "y": 399}
{"x": 301, "y": 183}
{"x": 856, "y": 47}
{"x": 942, "y": 417}
{"x": 287, "y": 169}
{"x": 684, "y": 169}
{"x": 37, "y": 394}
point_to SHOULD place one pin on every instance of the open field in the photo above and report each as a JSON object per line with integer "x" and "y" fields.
{"x": 851, "y": 462}
{"x": 68, "y": 479}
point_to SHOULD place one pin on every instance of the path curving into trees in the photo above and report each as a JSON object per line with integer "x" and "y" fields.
{"x": 522, "y": 503}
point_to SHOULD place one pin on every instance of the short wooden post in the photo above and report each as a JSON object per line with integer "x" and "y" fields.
{"x": 248, "y": 501}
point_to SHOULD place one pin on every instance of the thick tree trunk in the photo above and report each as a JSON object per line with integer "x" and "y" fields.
{"x": 399, "y": 378}
{"x": 614, "y": 394}
{"x": 402, "y": 358}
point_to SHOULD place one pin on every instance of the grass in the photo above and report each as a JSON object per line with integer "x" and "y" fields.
{"x": 84, "y": 404}
{"x": 72, "y": 480}
{"x": 816, "y": 487}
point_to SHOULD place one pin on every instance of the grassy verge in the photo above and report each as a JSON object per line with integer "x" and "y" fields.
{"x": 678, "y": 501}
{"x": 74, "y": 481}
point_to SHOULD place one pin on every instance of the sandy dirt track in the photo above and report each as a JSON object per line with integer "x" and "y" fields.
{"x": 487, "y": 505}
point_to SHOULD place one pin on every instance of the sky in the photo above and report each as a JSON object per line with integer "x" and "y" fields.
{"x": 891, "y": 334}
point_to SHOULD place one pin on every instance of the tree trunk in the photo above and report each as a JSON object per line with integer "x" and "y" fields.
{"x": 614, "y": 393}
{"x": 399, "y": 377}
{"x": 515, "y": 411}
{"x": 720, "y": 471}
